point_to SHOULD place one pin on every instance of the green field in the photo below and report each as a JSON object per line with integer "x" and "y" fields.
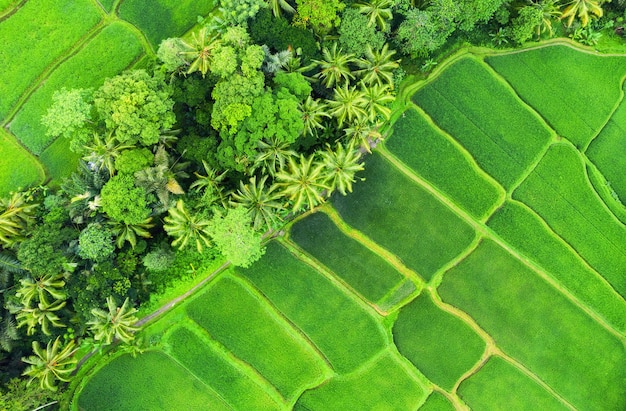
{"x": 559, "y": 192}
{"x": 555, "y": 81}
{"x": 439, "y": 344}
{"x": 418, "y": 228}
{"x": 440, "y": 161}
{"x": 537, "y": 325}
{"x": 437, "y": 402}
{"x": 484, "y": 115}
{"x": 19, "y": 168}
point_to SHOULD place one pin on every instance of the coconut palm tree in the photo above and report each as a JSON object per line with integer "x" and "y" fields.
{"x": 129, "y": 232}
{"x": 55, "y": 363}
{"x": 550, "y": 10}
{"x": 113, "y": 323}
{"x": 16, "y": 214}
{"x": 260, "y": 201}
{"x": 41, "y": 289}
{"x": 377, "y": 67}
{"x": 272, "y": 156}
{"x": 210, "y": 185}
{"x": 103, "y": 152}
{"x": 340, "y": 165}
{"x": 280, "y": 5}
{"x": 186, "y": 227}
{"x": 303, "y": 183}
{"x": 362, "y": 134}
{"x": 43, "y": 314}
{"x": 313, "y": 110}
{"x": 334, "y": 67}
{"x": 583, "y": 9}
{"x": 377, "y": 12}
{"x": 348, "y": 103}
{"x": 200, "y": 51}
{"x": 377, "y": 98}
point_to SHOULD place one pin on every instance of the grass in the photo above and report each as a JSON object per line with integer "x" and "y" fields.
{"x": 606, "y": 193}
{"x": 218, "y": 371}
{"x": 19, "y": 168}
{"x": 384, "y": 385}
{"x": 522, "y": 229}
{"x": 368, "y": 273}
{"x": 107, "y": 4}
{"x": 417, "y": 228}
{"x": 342, "y": 330}
{"x": 160, "y": 19}
{"x": 426, "y": 150}
{"x": 87, "y": 69}
{"x": 606, "y": 151}
{"x": 440, "y": 345}
{"x": 7, "y": 4}
{"x": 34, "y": 37}
{"x": 574, "y": 91}
{"x": 535, "y": 324}
{"x": 59, "y": 161}
{"x": 251, "y": 330}
{"x": 152, "y": 381}
{"x": 559, "y": 191}
{"x": 437, "y": 402}
{"x": 482, "y": 113}
{"x": 498, "y": 385}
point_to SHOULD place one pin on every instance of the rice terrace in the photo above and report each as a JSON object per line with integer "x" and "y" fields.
{"x": 480, "y": 264}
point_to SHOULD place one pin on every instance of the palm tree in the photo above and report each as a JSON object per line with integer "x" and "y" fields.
{"x": 103, "y": 152}
{"x": 261, "y": 202}
{"x": 363, "y": 133}
{"x": 278, "y": 5}
{"x": 334, "y": 67}
{"x": 49, "y": 285}
{"x": 348, "y": 103}
{"x": 340, "y": 165}
{"x": 210, "y": 185}
{"x": 8, "y": 332}
{"x": 312, "y": 112}
{"x": 15, "y": 217}
{"x": 129, "y": 232}
{"x": 550, "y": 10}
{"x": 377, "y": 98}
{"x": 377, "y": 67}
{"x": 583, "y": 9}
{"x": 116, "y": 322}
{"x": 303, "y": 183}
{"x": 186, "y": 228}
{"x": 55, "y": 363}
{"x": 83, "y": 188}
{"x": 377, "y": 12}
{"x": 272, "y": 156}
{"x": 43, "y": 315}
{"x": 200, "y": 51}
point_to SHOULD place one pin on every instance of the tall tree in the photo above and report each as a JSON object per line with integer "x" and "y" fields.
{"x": 349, "y": 104}
{"x": 114, "y": 322}
{"x": 272, "y": 155}
{"x": 47, "y": 288}
{"x": 103, "y": 151}
{"x": 583, "y": 9}
{"x": 313, "y": 111}
{"x": 303, "y": 183}
{"x": 44, "y": 315}
{"x": 377, "y": 99}
{"x": 187, "y": 227}
{"x": 235, "y": 238}
{"x": 340, "y": 166}
{"x": 261, "y": 202}
{"x": 55, "y": 363}
{"x": 16, "y": 215}
{"x": 200, "y": 51}
{"x": 334, "y": 67}
{"x": 377, "y": 67}
{"x": 378, "y": 12}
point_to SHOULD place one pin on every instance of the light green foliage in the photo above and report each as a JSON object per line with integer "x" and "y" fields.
{"x": 350, "y": 335}
{"x": 348, "y": 104}
{"x": 187, "y": 227}
{"x": 169, "y": 53}
{"x": 55, "y": 363}
{"x": 261, "y": 202}
{"x": 378, "y": 66}
{"x": 340, "y": 166}
{"x": 68, "y": 116}
{"x": 131, "y": 161}
{"x": 233, "y": 101}
{"x": 377, "y": 12}
{"x": 441, "y": 163}
{"x": 46, "y": 289}
{"x": 224, "y": 61}
{"x": 294, "y": 83}
{"x": 320, "y": 15}
{"x": 114, "y": 322}
{"x": 303, "y": 182}
{"x": 235, "y": 237}
{"x": 16, "y": 216}
{"x": 237, "y": 12}
{"x": 355, "y": 34}
{"x": 418, "y": 228}
{"x": 437, "y": 402}
{"x": 585, "y": 10}
{"x": 334, "y": 67}
{"x": 422, "y": 32}
{"x": 524, "y": 25}
{"x": 159, "y": 259}
{"x": 419, "y": 333}
{"x": 136, "y": 106}
{"x": 95, "y": 243}
{"x": 18, "y": 395}
{"x": 544, "y": 330}
{"x": 122, "y": 201}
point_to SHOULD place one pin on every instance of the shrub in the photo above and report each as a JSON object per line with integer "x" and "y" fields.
{"x": 95, "y": 243}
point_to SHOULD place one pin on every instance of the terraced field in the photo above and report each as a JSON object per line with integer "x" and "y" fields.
{"x": 477, "y": 266}
{"x": 72, "y": 44}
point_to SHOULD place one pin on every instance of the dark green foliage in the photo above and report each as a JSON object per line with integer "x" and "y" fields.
{"x": 122, "y": 201}
{"x": 475, "y": 12}
{"x": 355, "y": 34}
{"x": 490, "y": 389}
{"x": 525, "y": 24}
{"x": 421, "y": 33}
{"x": 486, "y": 118}
{"x": 417, "y": 227}
{"x": 368, "y": 273}
{"x": 234, "y": 236}
{"x": 18, "y": 395}
{"x": 425, "y": 149}
{"x": 440, "y": 345}
{"x": 43, "y": 251}
{"x": 538, "y": 326}
{"x": 196, "y": 148}
{"x": 95, "y": 243}
{"x": 342, "y": 330}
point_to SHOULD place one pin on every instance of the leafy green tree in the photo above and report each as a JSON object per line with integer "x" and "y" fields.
{"x": 47, "y": 288}
{"x": 43, "y": 251}
{"x": 136, "y": 107}
{"x": 349, "y": 104}
{"x": 200, "y": 51}
{"x": 584, "y": 10}
{"x": 303, "y": 183}
{"x": 423, "y": 31}
{"x": 18, "y": 395}
{"x": 355, "y": 34}
{"x": 131, "y": 161}
{"x": 103, "y": 152}
{"x": 159, "y": 259}
{"x": 55, "y": 363}
{"x": 237, "y": 12}
{"x": 170, "y": 53}
{"x": 334, "y": 67}
{"x": 16, "y": 215}
{"x": 69, "y": 116}
{"x": 523, "y": 26}
{"x": 320, "y": 15}
{"x": 235, "y": 238}
{"x": 378, "y": 12}
{"x": 233, "y": 101}
{"x": 114, "y": 322}
{"x": 473, "y": 12}
{"x": 261, "y": 201}
{"x": 95, "y": 243}
{"x": 122, "y": 201}
{"x": 187, "y": 227}
{"x": 340, "y": 166}
{"x": 44, "y": 315}
{"x": 378, "y": 66}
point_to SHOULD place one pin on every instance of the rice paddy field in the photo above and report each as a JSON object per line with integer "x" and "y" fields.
{"x": 477, "y": 266}
{"x": 72, "y": 44}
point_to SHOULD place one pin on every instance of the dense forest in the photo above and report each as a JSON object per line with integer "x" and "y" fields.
{"x": 266, "y": 110}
